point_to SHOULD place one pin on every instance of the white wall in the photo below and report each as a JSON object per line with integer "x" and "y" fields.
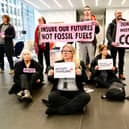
{"x": 66, "y": 16}
{"x": 37, "y": 15}
{"x": 110, "y": 15}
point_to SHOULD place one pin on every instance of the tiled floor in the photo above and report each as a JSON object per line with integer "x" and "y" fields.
{"x": 100, "y": 114}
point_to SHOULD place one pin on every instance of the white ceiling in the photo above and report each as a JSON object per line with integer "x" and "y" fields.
{"x": 77, "y": 4}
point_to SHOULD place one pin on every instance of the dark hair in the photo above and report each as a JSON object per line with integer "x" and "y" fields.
{"x": 7, "y": 17}
{"x": 101, "y": 47}
{"x": 43, "y": 19}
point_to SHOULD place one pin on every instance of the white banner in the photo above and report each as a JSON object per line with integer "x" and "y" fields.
{"x": 64, "y": 70}
{"x": 105, "y": 64}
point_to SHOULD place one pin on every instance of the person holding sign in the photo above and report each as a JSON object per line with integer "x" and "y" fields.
{"x": 7, "y": 34}
{"x": 67, "y": 95}
{"x": 27, "y": 76}
{"x": 111, "y": 36}
{"x": 42, "y": 48}
{"x": 103, "y": 74}
{"x": 88, "y": 48}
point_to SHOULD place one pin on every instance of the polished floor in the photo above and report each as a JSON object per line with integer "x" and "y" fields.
{"x": 100, "y": 114}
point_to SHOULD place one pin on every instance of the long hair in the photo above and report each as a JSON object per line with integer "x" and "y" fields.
{"x": 75, "y": 58}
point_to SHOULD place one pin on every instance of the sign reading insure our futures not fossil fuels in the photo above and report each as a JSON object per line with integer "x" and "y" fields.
{"x": 80, "y": 31}
{"x": 105, "y": 64}
{"x": 122, "y": 34}
{"x": 64, "y": 70}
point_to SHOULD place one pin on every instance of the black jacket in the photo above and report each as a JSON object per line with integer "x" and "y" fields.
{"x": 96, "y": 73}
{"x": 18, "y": 69}
{"x": 111, "y": 32}
{"x": 9, "y": 36}
{"x": 79, "y": 79}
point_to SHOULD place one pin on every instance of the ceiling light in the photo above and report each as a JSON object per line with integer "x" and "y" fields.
{"x": 58, "y": 4}
{"x": 71, "y": 4}
{"x": 45, "y": 4}
{"x": 109, "y": 2}
{"x": 83, "y": 3}
{"x": 96, "y": 2}
{"x": 122, "y": 2}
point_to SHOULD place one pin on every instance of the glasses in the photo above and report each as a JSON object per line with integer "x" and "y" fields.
{"x": 66, "y": 51}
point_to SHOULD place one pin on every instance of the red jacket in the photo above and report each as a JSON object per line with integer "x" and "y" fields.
{"x": 36, "y": 40}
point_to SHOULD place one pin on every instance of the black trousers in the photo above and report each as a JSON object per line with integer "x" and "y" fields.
{"x": 46, "y": 54}
{"x": 3, "y": 50}
{"x": 121, "y": 54}
{"x": 68, "y": 102}
{"x": 28, "y": 82}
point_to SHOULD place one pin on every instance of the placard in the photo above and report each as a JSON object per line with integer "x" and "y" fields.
{"x": 122, "y": 34}
{"x": 64, "y": 70}
{"x": 105, "y": 64}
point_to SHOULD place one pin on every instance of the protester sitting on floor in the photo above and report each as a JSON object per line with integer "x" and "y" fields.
{"x": 27, "y": 76}
{"x": 103, "y": 78}
{"x": 67, "y": 95}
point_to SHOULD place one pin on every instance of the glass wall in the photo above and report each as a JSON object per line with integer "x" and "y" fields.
{"x": 22, "y": 17}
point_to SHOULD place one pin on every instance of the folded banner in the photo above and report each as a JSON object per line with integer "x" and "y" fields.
{"x": 64, "y": 70}
{"x": 122, "y": 34}
{"x": 80, "y": 31}
{"x": 105, "y": 64}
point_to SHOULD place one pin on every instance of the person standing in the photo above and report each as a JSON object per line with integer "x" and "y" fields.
{"x": 88, "y": 48}
{"x": 111, "y": 35}
{"x": 7, "y": 33}
{"x": 42, "y": 48}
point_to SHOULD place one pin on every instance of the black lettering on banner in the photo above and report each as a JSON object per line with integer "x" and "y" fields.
{"x": 120, "y": 39}
{"x": 124, "y": 39}
{"x": 63, "y": 28}
{"x": 83, "y": 35}
{"x": 81, "y": 28}
{"x": 63, "y": 36}
{"x": 127, "y": 39}
{"x": 49, "y": 29}
{"x": 47, "y": 36}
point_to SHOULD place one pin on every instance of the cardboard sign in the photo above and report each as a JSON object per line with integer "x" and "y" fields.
{"x": 80, "y": 31}
{"x": 105, "y": 64}
{"x": 64, "y": 70}
{"x": 122, "y": 34}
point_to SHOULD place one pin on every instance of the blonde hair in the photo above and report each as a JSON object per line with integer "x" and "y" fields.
{"x": 75, "y": 58}
{"x": 27, "y": 51}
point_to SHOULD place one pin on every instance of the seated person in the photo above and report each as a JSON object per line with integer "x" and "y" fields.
{"x": 103, "y": 78}
{"x": 67, "y": 95}
{"x": 27, "y": 76}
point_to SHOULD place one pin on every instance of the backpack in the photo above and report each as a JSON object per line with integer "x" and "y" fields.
{"x": 116, "y": 92}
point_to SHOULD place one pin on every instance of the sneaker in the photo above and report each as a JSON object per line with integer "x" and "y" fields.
{"x": 121, "y": 76}
{"x": 11, "y": 71}
{"x": 1, "y": 71}
{"x": 27, "y": 96}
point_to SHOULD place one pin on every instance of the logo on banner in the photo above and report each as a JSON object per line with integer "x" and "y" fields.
{"x": 29, "y": 70}
{"x": 64, "y": 70}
